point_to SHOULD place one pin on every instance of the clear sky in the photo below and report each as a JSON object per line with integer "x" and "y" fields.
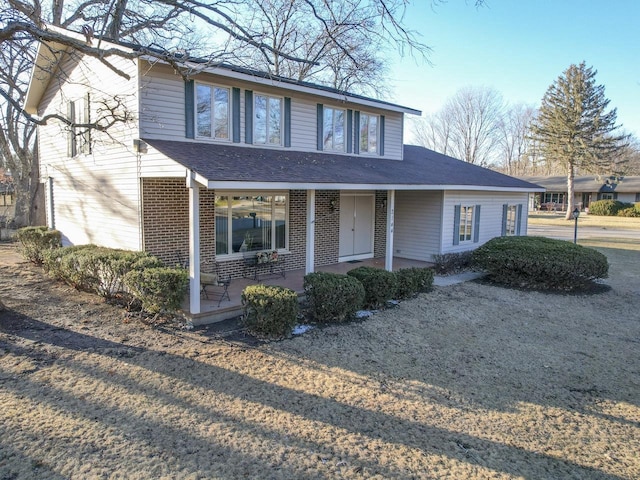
{"x": 520, "y": 47}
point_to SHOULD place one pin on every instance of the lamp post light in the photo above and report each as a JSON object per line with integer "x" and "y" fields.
{"x": 575, "y": 214}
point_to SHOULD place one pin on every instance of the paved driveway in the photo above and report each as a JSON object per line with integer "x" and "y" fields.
{"x": 566, "y": 233}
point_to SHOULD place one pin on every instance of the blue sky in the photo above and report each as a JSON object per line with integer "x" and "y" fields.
{"x": 519, "y": 47}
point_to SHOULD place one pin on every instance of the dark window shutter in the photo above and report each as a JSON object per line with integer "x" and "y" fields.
{"x": 381, "y": 139}
{"x": 287, "y": 121}
{"x": 248, "y": 116}
{"x": 189, "y": 113}
{"x": 349, "y": 131}
{"x": 518, "y": 218}
{"x": 356, "y": 129}
{"x": 235, "y": 114}
{"x": 319, "y": 126}
{"x": 456, "y": 225}
{"x": 71, "y": 140}
{"x": 505, "y": 212}
{"x": 476, "y": 225}
{"x": 86, "y": 136}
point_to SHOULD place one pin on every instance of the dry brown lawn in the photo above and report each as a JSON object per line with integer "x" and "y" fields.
{"x": 468, "y": 381}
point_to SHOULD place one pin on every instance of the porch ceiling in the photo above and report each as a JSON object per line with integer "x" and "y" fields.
{"x": 229, "y": 166}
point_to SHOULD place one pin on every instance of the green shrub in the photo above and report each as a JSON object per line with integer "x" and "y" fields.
{"x": 607, "y": 208}
{"x": 379, "y": 285}
{"x": 35, "y": 241}
{"x": 333, "y": 297}
{"x": 540, "y": 263}
{"x": 159, "y": 289}
{"x": 633, "y": 211}
{"x": 452, "y": 262}
{"x": 270, "y": 310}
{"x": 413, "y": 280}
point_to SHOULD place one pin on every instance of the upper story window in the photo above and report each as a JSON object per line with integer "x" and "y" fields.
{"x": 212, "y": 111}
{"x": 368, "y": 133}
{"x": 333, "y": 130}
{"x": 267, "y": 120}
{"x": 79, "y": 137}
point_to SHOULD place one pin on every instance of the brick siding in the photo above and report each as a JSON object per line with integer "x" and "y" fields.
{"x": 380, "y": 227}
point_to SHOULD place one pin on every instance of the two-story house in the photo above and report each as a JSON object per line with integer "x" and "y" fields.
{"x": 230, "y": 161}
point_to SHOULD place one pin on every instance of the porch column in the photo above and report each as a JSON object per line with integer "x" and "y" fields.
{"x": 391, "y": 204}
{"x": 49, "y": 199}
{"x": 194, "y": 245}
{"x": 311, "y": 231}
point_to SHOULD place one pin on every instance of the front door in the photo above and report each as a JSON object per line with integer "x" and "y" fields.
{"x": 356, "y": 226}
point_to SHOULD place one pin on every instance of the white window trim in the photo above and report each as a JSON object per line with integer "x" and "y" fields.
{"x": 239, "y": 193}
{"x": 511, "y": 209}
{"x": 377, "y": 116}
{"x": 266, "y": 143}
{"x": 473, "y": 218}
{"x": 333, "y": 125}
{"x": 213, "y": 86}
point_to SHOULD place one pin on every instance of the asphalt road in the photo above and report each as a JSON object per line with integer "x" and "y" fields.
{"x": 566, "y": 233}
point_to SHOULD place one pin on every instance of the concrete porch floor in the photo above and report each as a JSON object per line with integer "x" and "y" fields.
{"x": 294, "y": 280}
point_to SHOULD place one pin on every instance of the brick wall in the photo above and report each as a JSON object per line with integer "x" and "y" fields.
{"x": 327, "y": 224}
{"x": 380, "y": 227}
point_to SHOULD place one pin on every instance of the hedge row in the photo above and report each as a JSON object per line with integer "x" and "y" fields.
{"x": 612, "y": 208}
{"x": 35, "y": 241}
{"x": 540, "y": 263}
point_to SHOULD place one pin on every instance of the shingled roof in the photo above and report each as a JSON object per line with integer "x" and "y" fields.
{"x": 421, "y": 169}
{"x": 588, "y": 183}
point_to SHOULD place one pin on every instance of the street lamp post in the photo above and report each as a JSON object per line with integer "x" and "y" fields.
{"x": 575, "y": 214}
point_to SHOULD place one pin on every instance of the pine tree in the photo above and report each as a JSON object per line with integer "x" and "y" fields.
{"x": 573, "y": 127}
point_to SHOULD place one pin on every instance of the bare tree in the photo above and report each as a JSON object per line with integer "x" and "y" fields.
{"x": 467, "y": 126}
{"x": 514, "y": 139}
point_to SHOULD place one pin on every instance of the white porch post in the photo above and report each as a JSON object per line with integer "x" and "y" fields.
{"x": 194, "y": 245}
{"x": 311, "y": 231}
{"x": 391, "y": 205}
{"x": 49, "y": 199}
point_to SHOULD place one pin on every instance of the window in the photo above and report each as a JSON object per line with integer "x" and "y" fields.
{"x": 333, "y": 129}
{"x": 267, "y": 120}
{"x": 637, "y": 197}
{"x": 557, "y": 198}
{"x": 79, "y": 140}
{"x": 368, "y": 133}
{"x": 511, "y": 219}
{"x": 466, "y": 224}
{"x": 607, "y": 196}
{"x": 212, "y": 111}
{"x": 246, "y": 223}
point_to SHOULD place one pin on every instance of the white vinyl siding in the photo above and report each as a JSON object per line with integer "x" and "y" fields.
{"x": 95, "y": 196}
{"x": 491, "y": 215}
{"x": 417, "y": 224}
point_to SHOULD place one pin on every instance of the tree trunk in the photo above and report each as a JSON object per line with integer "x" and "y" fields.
{"x": 570, "y": 192}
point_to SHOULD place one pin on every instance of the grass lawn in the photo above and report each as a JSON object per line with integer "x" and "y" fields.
{"x": 556, "y": 220}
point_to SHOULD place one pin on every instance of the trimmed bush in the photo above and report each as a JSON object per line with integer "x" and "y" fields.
{"x": 379, "y": 285}
{"x": 633, "y": 211}
{"x": 333, "y": 297}
{"x": 608, "y": 208}
{"x": 540, "y": 263}
{"x": 270, "y": 310}
{"x": 412, "y": 281}
{"x": 452, "y": 262}
{"x": 35, "y": 241}
{"x": 159, "y": 289}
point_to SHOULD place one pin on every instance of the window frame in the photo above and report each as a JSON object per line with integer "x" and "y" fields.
{"x": 511, "y": 223}
{"x": 468, "y": 210}
{"x": 268, "y": 97}
{"x": 253, "y": 193}
{"x": 213, "y": 87}
{"x": 78, "y": 113}
{"x": 332, "y": 147}
{"x": 359, "y": 139}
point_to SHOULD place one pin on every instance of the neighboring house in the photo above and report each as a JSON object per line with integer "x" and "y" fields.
{"x": 587, "y": 189}
{"x": 233, "y": 161}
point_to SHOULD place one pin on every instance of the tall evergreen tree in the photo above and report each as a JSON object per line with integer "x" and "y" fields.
{"x": 573, "y": 127}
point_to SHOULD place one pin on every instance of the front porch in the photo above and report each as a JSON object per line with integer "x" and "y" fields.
{"x": 211, "y": 312}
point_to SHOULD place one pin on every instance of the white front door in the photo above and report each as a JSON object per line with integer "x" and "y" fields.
{"x": 356, "y": 226}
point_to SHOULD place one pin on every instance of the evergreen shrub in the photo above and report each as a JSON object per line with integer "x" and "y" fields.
{"x": 446, "y": 263}
{"x": 35, "y": 241}
{"x": 412, "y": 281}
{"x": 333, "y": 297}
{"x": 379, "y": 285}
{"x": 159, "y": 289}
{"x": 540, "y": 263}
{"x": 269, "y": 310}
{"x": 632, "y": 211}
{"x": 607, "y": 208}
